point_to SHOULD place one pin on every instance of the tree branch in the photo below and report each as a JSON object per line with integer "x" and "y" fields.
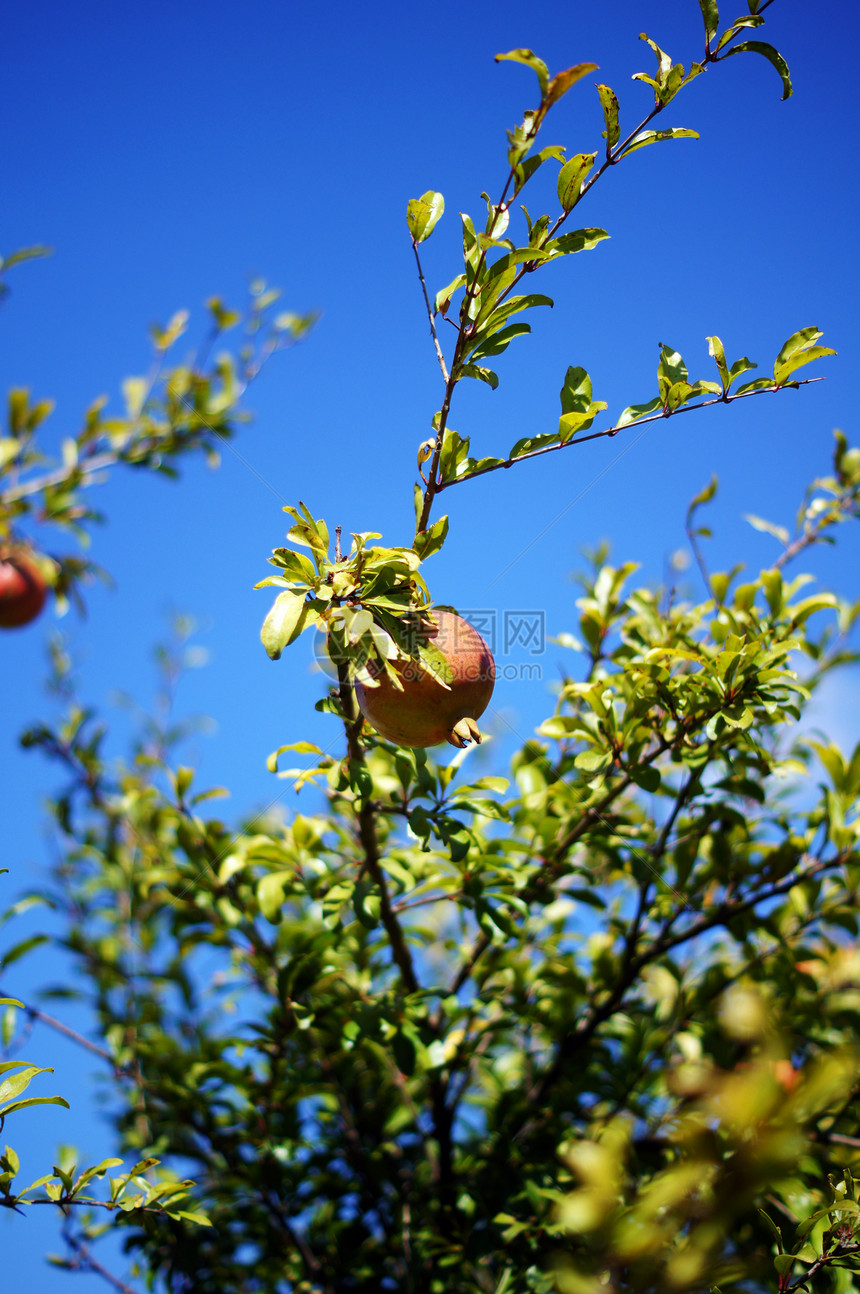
{"x": 49, "y": 1020}
{"x": 613, "y": 431}
{"x": 367, "y": 836}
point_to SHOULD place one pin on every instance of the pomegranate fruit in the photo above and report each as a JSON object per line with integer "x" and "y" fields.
{"x": 22, "y": 588}
{"x": 425, "y": 713}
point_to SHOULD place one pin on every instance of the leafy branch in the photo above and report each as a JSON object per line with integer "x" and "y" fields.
{"x": 484, "y": 328}
{"x": 675, "y": 396}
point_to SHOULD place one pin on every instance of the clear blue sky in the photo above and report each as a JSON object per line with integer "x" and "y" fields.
{"x": 170, "y": 152}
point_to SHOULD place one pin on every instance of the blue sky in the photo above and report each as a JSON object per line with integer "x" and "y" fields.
{"x": 170, "y": 153}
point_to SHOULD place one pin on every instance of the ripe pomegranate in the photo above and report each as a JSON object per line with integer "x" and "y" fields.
{"x": 22, "y": 588}
{"x": 425, "y": 713}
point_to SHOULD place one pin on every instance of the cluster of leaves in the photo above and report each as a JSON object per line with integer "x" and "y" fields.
{"x": 372, "y": 605}
{"x": 645, "y": 1202}
{"x": 176, "y": 409}
{"x": 440, "y": 1035}
{"x": 66, "y": 1187}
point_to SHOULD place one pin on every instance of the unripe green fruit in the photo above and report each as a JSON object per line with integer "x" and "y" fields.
{"x": 22, "y": 588}
{"x": 425, "y": 713}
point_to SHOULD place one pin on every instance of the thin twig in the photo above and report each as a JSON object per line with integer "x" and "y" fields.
{"x": 430, "y": 315}
{"x": 839, "y": 1250}
{"x": 84, "y": 1261}
{"x": 36, "y": 1014}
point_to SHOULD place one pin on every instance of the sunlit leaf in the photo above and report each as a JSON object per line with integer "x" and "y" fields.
{"x": 609, "y": 104}
{"x": 710, "y": 17}
{"x": 423, "y": 214}
{"x": 284, "y": 622}
{"x": 773, "y": 57}
{"x": 529, "y": 59}
{"x": 657, "y": 136}
{"x": 571, "y": 178}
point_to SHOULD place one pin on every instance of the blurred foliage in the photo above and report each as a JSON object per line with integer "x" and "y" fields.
{"x": 174, "y": 409}
{"x": 580, "y": 1028}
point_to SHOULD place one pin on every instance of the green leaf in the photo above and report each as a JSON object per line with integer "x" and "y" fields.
{"x": 423, "y": 214}
{"x": 301, "y": 747}
{"x": 740, "y": 366}
{"x": 579, "y": 240}
{"x": 487, "y": 808}
{"x": 801, "y": 611}
{"x": 284, "y": 623}
{"x": 793, "y": 355}
{"x": 562, "y": 81}
{"x": 772, "y": 55}
{"x": 609, "y": 104}
{"x": 270, "y": 894}
{"x": 767, "y": 527}
{"x": 578, "y": 409}
{"x": 428, "y": 542}
{"x": 9, "y": 448}
{"x": 657, "y": 136}
{"x": 704, "y": 496}
{"x": 646, "y": 777}
{"x": 164, "y": 338}
{"x": 664, "y": 62}
{"x": 309, "y": 532}
{"x": 443, "y": 297}
{"x": 35, "y": 1100}
{"x": 571, "y": 177}
{"x": 525, "y": 169}
{"x": 711, "y": 18}
{"x": 529, "y": 59}
{"x": 455, "y": 451}
{"x": 593, "y": 761}
{"x": 366, "y": 904}
{"x": 17, "y": 1083}
{"x": 513, "y": 306}
{"x": 482, "y": 374}
{"x": 529, "y": 443}
{"x": 492, "y": 783}
{"x": 294, "y": 566}
{"x": 760, "y": 384}
{"x": 19, "y": 949}
{"x": 199, "y": 1219}
{"x": 24, "y": 254}
{"x": 671, "y": 370}
{"x": 797, "y": 342}
{"x": 471, "y": 249}
{"x": 570, "y": 423}
{"x": 495, "y": 343}
{"x": 636, "y": 411}
{"x": 223, "y": 317}
{"x": 717, "y": 352}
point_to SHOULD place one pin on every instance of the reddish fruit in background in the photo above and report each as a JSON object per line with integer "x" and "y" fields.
{"x": 22, "y": 588}
{"x": 425, "y": 713}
